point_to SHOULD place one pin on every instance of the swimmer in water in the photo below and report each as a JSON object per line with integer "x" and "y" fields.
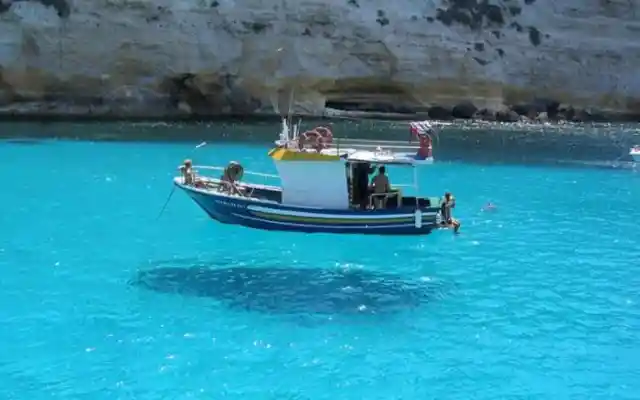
{"x": 489, "y": 207}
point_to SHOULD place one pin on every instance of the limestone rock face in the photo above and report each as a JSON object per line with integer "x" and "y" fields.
{"x": 218, "y": 57}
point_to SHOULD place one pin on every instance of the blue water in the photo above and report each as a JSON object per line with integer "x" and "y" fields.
{"x": 537, "y": 299}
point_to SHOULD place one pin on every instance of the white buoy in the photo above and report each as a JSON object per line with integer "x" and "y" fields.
{"x": 418, "y": 218}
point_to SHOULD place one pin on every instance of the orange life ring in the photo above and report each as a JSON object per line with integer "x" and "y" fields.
{"x": 314, "y": 138}
{"x": 326, "y": 133}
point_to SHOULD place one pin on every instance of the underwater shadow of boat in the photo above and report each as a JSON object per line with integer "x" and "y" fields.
{"x": 292, "y": 290}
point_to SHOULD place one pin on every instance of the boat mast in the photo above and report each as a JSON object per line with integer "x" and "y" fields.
{"x": 289, "y": 116}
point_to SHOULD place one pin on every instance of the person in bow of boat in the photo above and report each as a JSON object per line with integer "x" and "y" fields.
{"x": 448, "y": 203}
{"x": 228, "y": 182}
{"x": 188, "y": 176}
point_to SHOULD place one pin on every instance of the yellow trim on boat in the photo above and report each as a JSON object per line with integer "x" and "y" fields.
{"x": 280, "y": 154}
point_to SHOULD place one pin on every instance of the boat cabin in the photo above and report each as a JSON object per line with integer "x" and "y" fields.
{"x": 342, "y": 181}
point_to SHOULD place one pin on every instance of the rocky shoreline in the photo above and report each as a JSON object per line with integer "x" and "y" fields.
{"x": 477, "y": 137}
{"x": 537, "y": 111}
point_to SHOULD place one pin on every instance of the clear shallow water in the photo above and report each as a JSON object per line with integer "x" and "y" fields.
{"x": 538, "y": 298}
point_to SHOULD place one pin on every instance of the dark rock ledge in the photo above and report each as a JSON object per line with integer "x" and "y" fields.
{"x": 535, "y": 111}
{"x": 538, "y": 111}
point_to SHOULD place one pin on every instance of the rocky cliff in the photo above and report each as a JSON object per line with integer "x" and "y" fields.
{"x": 218, "y": 57}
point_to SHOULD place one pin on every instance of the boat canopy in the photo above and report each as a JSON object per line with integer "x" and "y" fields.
{"x": 381, "y": 157}
{"x": 311, "y": 165}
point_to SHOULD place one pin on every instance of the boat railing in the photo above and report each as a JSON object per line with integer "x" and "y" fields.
{"x": 362, "y": 144}
{"x": 245, "y": 172}
{"x": 373, "y": 144}
{"x": 374, "y": 141}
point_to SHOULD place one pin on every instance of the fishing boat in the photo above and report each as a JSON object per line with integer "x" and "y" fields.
{"x": 635, "y": 153}
{"x": 323, "y": 187}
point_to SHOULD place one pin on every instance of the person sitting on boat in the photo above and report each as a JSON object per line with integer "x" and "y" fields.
{"x": 449, "y": 202}
{"x": 380, "y": 185}
{"x": 232, "y": 173}
{"x": 188, "y": 176}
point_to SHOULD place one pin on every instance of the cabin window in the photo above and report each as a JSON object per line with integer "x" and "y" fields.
{"x": 400, "y": 194}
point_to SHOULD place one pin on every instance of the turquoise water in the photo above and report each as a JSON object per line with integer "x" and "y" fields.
{"x": 536, "y": 299}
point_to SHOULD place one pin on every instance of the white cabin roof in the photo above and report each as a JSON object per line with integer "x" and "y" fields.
{"x": 354, "y": 150}
{"x": 381, "y": 157}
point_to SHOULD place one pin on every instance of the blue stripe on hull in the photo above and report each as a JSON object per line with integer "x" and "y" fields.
{"x": 237, "y": 211}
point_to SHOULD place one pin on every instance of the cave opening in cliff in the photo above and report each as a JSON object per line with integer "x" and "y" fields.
{"x": 368, "y": 95}
{"x": 367, "y": 105}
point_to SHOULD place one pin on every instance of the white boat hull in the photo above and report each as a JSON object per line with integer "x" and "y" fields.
{"x": 635, "y": 154}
